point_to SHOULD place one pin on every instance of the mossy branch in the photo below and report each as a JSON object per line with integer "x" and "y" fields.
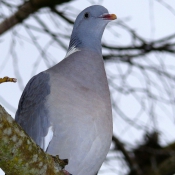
{"x": 19, "y": 155}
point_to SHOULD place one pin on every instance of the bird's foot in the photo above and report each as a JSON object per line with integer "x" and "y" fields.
{"x": 66, "y": 172}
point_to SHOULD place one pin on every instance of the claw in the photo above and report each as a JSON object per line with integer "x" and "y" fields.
{"x": 66, "y": 172}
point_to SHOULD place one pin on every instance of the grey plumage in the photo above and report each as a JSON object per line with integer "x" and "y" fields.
{"x": 66, "y": 109}
{"x": 32, "y": 113}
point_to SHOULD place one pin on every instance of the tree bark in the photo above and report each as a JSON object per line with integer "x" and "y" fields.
{"x": 25, "y": 10}
{"x": 20, "y": 155}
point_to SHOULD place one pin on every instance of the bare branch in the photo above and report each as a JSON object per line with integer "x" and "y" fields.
{"x": 7, "y": 79}
{"x": 53, "y": 9}
{"x": 26, "y": 9}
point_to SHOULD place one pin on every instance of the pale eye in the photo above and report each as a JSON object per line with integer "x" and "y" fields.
{"x": 86, "y": 15}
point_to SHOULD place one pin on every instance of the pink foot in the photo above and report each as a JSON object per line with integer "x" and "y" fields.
{"x": 66, "y": 172}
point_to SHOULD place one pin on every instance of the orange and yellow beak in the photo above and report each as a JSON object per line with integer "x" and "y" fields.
{"x": 107, "y": 16}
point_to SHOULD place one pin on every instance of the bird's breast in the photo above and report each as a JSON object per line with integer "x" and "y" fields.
{"x": 82, "y": 123}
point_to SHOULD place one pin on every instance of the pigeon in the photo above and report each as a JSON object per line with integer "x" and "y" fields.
{"x": 66, "y": 109}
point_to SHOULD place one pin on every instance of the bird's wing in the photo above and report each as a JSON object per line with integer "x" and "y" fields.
{"x": 32, "y": 114}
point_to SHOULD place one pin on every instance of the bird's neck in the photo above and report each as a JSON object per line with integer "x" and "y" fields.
{"x": 88, "y": 43}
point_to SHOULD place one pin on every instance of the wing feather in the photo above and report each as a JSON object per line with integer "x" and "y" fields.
{"x": 32, "y": 114}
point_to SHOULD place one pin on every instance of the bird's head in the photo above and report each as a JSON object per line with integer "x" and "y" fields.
{"x": 89, "y": 26}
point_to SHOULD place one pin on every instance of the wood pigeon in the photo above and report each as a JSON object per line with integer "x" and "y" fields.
{"x": 66, "y": 109}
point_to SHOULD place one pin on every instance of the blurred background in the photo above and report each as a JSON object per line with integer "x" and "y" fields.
{"x": 138, "y": 51}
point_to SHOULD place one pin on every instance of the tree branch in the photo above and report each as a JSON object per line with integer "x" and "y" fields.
{"x": 7, "y": 79}
{"x": 126, "y": 53}
{"x": 130, "y": 161}
{"x": 26, "y": 9}
{"x": 53, "y": 9}
{"x": 165, "y": 168}
{"x": 20, "y": 155}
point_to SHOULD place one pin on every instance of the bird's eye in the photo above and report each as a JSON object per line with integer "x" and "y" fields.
{"x": 86, "y": 15}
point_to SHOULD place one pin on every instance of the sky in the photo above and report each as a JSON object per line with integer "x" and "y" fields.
{"x": 149, "y": 18}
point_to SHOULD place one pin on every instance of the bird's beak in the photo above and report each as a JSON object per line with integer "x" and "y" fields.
{"x": 107, "y": 16}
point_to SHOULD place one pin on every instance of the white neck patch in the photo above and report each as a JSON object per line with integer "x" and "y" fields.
{"x": 71, "y": 51}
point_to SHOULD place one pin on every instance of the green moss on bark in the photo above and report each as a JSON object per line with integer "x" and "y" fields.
{"x": 19, "y": 155}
